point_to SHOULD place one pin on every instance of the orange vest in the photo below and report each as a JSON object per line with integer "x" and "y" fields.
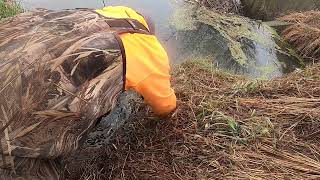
{"x": 148, "y": 69}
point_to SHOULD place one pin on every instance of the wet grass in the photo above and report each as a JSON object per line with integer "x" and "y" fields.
{"x": 8, "y": 9}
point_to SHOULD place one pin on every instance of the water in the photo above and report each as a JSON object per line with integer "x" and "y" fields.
{"x": 182, "y": 44}
{"x": 201, "y": 42}
{"x": 234, "y": 43}
{"x": 160, "y": 11}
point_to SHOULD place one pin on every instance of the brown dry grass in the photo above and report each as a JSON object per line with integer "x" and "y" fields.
{"x": 304, "y": 34}
{"x": 225, "y": 127}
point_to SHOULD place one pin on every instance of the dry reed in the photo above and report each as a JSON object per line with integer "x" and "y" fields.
{"x": 225, "y": 127}
{"x": 304, "y": 33}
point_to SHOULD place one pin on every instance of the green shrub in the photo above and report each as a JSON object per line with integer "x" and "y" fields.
{"x": 9, "y": 9}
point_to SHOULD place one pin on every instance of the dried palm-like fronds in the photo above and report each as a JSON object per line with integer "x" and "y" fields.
{"x": 59, "y": 72}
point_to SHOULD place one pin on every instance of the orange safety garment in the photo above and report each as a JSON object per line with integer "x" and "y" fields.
{"x": 147, "y": 63}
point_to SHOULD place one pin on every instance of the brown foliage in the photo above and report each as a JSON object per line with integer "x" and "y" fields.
{"x": 57, "y": 76}
{"x": 225, "y": 127}
{"x": 304, "y": 33}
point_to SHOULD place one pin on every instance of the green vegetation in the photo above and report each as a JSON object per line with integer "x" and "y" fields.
{"x": 231, "y": 28}
{"x": 9, "y": 9}
{"x": 234, "y": 42}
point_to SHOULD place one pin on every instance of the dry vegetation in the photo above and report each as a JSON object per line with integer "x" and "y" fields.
{"x": 225, "y": 127}
{"x": 304, "y": 34}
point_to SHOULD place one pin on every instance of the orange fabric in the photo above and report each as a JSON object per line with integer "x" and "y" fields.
{"x": 148, "y": 69}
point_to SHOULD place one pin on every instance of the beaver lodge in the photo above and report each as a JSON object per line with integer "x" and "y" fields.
{"x": 226, "y": 126}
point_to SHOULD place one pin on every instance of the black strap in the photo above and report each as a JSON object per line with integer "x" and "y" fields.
{"x": 127, "y": 26}
{"x": 123, "y": 25}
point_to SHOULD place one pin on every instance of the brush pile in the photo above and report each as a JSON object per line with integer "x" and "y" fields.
{"x": 225, "y": 127}
{"x": 304, "y": 34}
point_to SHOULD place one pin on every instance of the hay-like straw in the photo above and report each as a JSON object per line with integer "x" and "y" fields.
{"x": 225, "y": 127}
{"x": 304, "y": 34}
{"x": 57, "y": 77}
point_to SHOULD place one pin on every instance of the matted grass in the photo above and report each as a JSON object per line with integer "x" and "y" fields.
{"x": 304, "y": 34}
{"x": 225, "y": 127}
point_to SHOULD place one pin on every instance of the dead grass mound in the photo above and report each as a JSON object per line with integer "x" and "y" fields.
{"x": 225, "y": 127}
{"x": 304, "y": 34}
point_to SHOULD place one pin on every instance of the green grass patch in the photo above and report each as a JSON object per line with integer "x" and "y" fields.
{"x": 9, "y": 9}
